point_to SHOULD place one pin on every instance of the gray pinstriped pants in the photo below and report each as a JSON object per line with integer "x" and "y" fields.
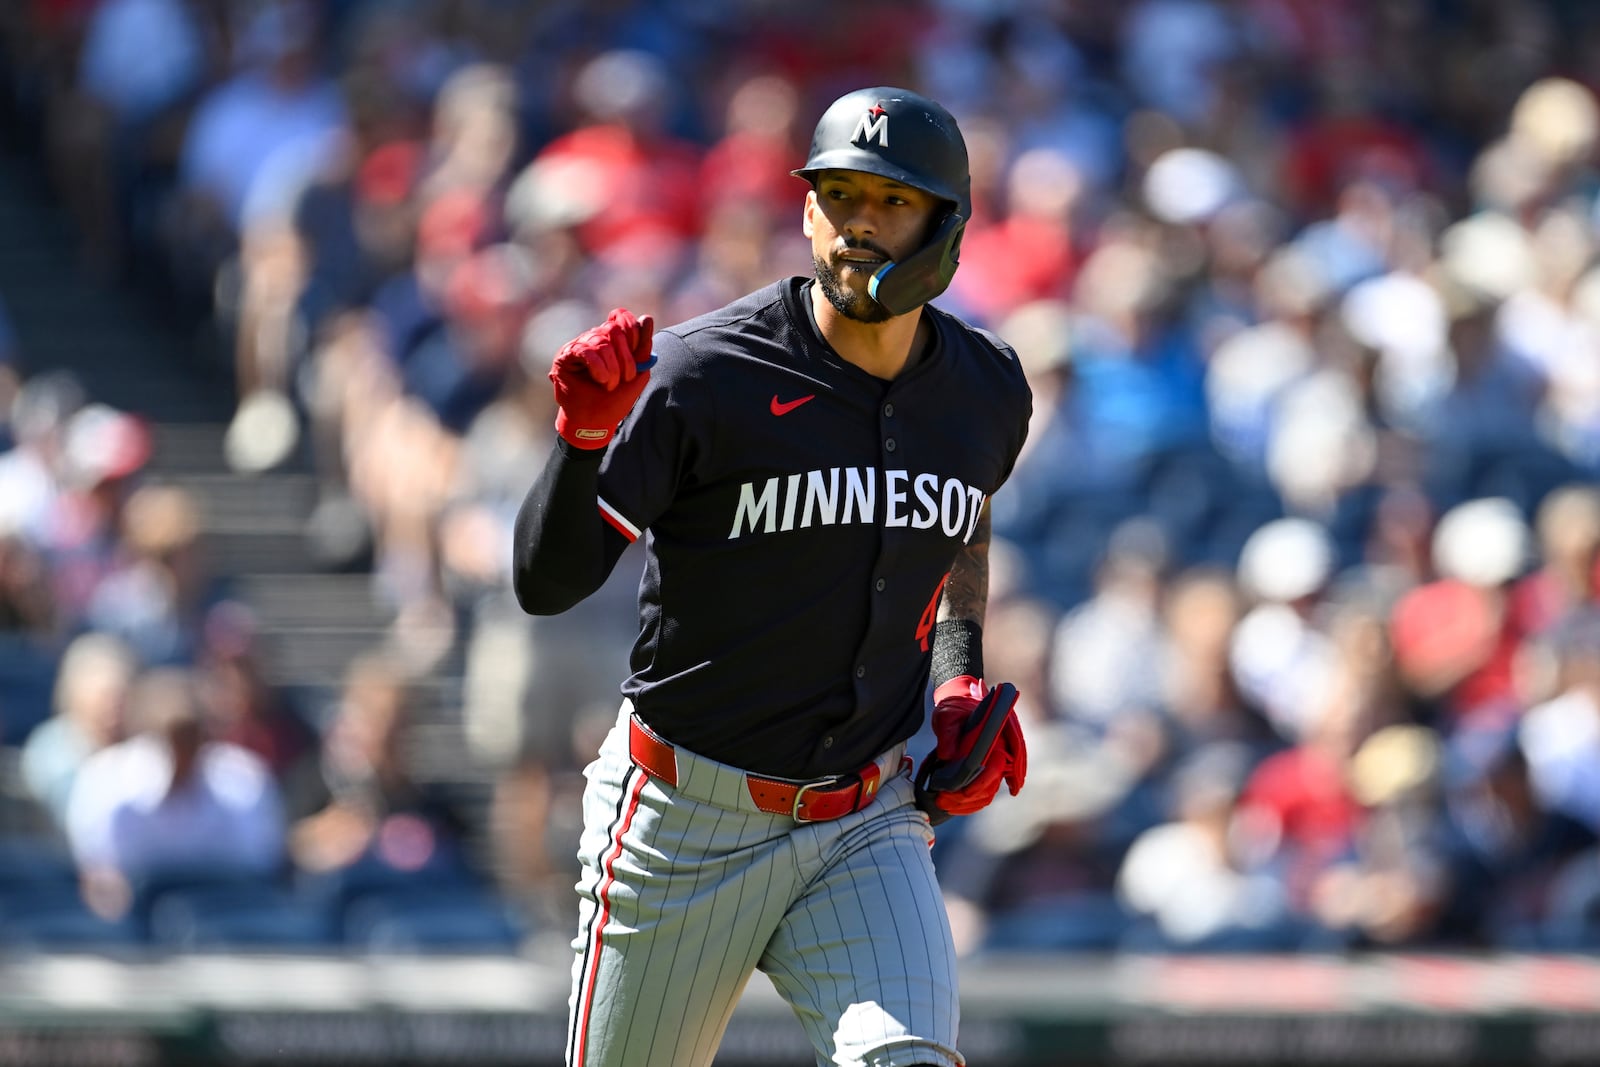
{"x": 686, "y": 890}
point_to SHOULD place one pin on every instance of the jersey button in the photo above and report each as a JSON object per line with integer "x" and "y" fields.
{"x": 827, "y": 742}
{"x": 889, "y": 445}
{"x": 888, "y": 411}
{"x": 880, "y": 585}
{"x": 861, "y": 672}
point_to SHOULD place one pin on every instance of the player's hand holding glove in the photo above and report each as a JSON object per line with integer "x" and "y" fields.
{"x": 980, "y": 746}
{"x": 598, "y": 375}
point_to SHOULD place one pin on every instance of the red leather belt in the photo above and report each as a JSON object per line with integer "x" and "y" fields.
{"x": 818, "y": 801}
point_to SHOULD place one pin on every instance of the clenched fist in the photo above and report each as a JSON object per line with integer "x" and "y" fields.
{"x": 598, "y": 375}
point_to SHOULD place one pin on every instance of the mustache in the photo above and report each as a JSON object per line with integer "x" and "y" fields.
{"x": 863, "y": 246}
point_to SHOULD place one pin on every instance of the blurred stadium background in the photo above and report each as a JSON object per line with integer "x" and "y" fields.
{"x": 1297, "y": 576}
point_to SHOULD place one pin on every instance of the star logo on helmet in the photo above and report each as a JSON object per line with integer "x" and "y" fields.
{"x": 874, "y": 126}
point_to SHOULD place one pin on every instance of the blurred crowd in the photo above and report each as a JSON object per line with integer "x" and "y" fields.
{"x": 1297, "y": 575}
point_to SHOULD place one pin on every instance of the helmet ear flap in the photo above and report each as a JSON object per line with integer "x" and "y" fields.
{"x": 909, "y": 283}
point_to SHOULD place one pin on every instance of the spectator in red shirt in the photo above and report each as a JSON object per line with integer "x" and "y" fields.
{"x": 636, "y": 187}
{"x": 1301, "y": 797}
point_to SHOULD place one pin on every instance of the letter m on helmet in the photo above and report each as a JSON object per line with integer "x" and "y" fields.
{"x": 872, "y": 126}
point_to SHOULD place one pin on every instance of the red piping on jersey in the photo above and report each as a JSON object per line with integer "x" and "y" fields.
{"x": 603, "y": 893}
{"x": 617, "y": 525}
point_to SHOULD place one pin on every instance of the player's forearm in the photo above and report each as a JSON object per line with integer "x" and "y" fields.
{"x": 966, "y": 592}
{"x": 958, "y": 627}
{"x": 563, "y": 550}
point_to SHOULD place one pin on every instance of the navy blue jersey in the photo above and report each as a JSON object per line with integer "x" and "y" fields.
{"x": 800, "y": 517}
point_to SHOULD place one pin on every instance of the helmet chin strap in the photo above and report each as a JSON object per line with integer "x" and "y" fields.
{"x": 906, "y": 284}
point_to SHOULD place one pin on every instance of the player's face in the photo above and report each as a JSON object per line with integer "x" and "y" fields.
{"x": 857, "y": 222}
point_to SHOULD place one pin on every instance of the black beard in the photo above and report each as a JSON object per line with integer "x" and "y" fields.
{"x": 846, "y": 301}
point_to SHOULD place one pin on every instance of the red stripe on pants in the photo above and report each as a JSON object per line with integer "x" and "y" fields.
{"x": 604, "y": 895}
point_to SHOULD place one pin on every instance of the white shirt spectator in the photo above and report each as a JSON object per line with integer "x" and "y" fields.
{"x": 124, "y": 816}
{"x": 1561, "y": 742}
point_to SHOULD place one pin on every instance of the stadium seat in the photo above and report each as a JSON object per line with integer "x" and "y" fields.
{"x": 33, "y": 863}
{"x": 150, "y": 889}
{"x": 54, "y": 921}
{"x": 1082, "y": 922}
{"x": 27, "y": 685}
{"x": 439, "y": 919}
{"x": 335, "y": 889}
{"x": 233, "y": 916}
{"x": 1573, "y": 921}
{"x": 1186, "y": 490}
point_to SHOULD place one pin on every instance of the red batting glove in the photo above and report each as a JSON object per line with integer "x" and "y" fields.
{"x": 1007, "y": 761}
{"x": 598, "y": 375}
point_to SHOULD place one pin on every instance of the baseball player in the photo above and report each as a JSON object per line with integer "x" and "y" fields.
{"x": 811, "y": 467}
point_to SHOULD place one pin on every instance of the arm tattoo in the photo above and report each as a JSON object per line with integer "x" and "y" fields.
{"x": 966, "y": 594}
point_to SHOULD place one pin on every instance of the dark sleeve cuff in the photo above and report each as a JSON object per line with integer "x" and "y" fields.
{"x": 957, "y": 650}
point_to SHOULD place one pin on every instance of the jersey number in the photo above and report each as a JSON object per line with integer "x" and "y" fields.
{"x": 930, "y": 614}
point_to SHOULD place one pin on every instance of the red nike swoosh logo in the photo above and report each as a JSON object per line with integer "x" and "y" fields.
{"x": 781, "y": 408}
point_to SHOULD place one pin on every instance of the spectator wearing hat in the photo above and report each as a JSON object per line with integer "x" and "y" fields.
{"x": 1455, "y": 638}
{"x": 1279, "y": 653}
{"x": 105, "y": 451}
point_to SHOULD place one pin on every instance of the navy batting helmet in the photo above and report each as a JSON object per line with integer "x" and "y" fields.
{"x": 905, "y": 137}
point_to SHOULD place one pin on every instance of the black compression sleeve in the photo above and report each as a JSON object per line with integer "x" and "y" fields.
{"x": 957, "y": 650}
{"x": 563, "y": 550}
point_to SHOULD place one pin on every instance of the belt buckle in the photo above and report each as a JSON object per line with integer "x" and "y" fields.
{"x": 800, "y": 794}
